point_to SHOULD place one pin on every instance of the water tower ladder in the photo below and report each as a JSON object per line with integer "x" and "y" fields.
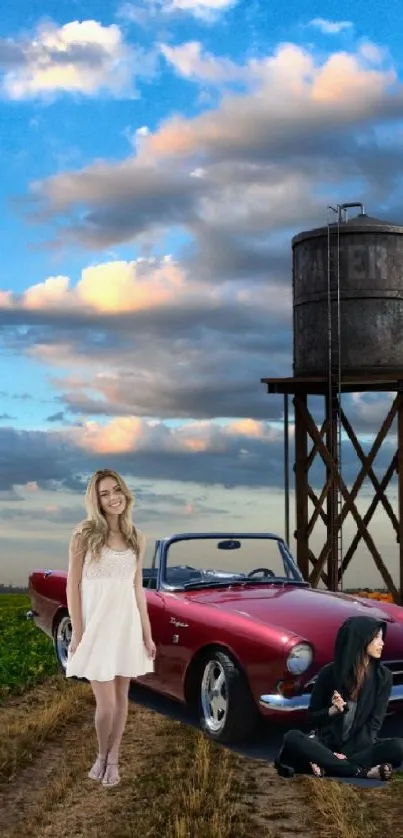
{"x": 335, "y": 500}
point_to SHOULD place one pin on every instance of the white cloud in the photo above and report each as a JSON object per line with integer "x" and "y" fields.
{"x": 283, "y": 138}
{"x": 125, "y": 435}
{"x": 80, "y": 57}
{"x": 191, "y": 62}
{"x": 373, "y": 53}
{"x": 293, "y": 96}
{"x": 370, "y": 409}
{"x": 331, "y": 27}
{"x": 110, "y": 287}
{"x": 137, "y": 138}
{"x": 48, "y": 294}
{"x": 6, "y": 299}
{"x": 153, "y": 338}
{"x": 204, "y": 9}
{"x": 143, "y": 11}
{"x": 120, "y": 287}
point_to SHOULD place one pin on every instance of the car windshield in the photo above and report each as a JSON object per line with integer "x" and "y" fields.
{"x": 215, "y": 561}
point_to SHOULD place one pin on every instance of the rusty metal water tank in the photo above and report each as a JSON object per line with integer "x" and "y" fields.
{"x": 371, "y": 298}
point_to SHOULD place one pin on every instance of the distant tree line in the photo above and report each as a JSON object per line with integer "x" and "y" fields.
{"x": 12, "y": 589}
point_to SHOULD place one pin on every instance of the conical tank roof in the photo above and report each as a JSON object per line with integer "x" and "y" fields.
{"x": 358, "y": 224}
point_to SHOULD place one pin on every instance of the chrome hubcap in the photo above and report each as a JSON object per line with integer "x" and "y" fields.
{"x": 63, "y": 638}
{"x": 214, "y": 696}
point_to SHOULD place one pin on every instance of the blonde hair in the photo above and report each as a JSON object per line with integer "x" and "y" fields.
{"x": 94, "y": 529}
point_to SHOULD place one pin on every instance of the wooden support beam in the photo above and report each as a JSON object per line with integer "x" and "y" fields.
{"x": 349, "y": 497}
{"x": 315, "y": 573}
{"x": 369, "y": 514}
{"x": 333, "y": 526}
{"x": 318, "y": 504}
{"x": 369, "y": 459}
{"x": 384, "y": 500}
{"x": 314, "y": 450}
{"x": 301, "y": 485}
{"x": 400, "y": 491}
{"x": 326, "y": 501}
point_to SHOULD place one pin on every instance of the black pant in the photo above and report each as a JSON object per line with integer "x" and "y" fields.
{"x": 299, "y": 750}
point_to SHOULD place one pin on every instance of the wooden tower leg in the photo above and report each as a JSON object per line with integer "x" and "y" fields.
{"x": 301, "y": 486}
{"x": 399, "y": 466}
{"x": 332, "y": 499}
{"x": 335, "y": 501}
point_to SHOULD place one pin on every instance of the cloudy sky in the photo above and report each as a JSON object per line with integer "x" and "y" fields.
{"x": 157, "y": 157}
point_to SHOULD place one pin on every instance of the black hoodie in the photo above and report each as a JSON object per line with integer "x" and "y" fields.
{"x": 353, "y": 636}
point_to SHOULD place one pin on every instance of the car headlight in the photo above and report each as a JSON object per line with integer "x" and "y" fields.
{"x": 300, "y": 657}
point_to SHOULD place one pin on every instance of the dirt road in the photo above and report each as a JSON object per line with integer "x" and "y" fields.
{"x": 175, "y": 784}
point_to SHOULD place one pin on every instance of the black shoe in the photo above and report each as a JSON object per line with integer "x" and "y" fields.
{"x": 284, "y": 770}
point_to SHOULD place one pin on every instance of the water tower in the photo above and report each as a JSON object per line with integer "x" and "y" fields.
{"x": 348, "y": 338}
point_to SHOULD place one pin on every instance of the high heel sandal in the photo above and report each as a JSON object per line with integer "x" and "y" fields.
{"x": 385, "y": 771}
{"x": 107, "y": 783}
{"x": 93, "y": 774}
{"x": 320, "y": 773}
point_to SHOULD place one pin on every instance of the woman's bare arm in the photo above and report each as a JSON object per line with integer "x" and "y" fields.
{"x": 74, "y": 575}
{"x": 139, "y": 591}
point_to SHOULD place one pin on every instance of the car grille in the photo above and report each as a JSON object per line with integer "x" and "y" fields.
{"x": 396, "y": 668}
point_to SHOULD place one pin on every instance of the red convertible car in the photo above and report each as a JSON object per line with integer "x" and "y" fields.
{"x": 239, "y": 633}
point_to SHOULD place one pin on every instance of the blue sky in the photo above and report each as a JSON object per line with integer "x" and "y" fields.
{"x": 156, "y": 160}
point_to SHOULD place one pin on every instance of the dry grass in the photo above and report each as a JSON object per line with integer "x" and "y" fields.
{"x": 210, "y": 778}
{"x": 47, "y": 744}
{"x": 344, "y": 811}
{"x": 175, "y": 782}
{"x": 341, "y": 810}
{"x": 202, "y": 792}
{"x": 28, "y": 722}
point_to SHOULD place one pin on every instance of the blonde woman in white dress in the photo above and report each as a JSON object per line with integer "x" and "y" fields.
{"x": 111, "y": 634}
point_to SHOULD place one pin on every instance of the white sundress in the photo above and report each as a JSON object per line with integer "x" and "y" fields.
{"x": 112, "y": 641}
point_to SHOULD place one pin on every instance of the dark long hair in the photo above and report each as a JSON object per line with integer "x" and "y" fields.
{"x": 351, "y": 664}
{"x": 357, "y": 675}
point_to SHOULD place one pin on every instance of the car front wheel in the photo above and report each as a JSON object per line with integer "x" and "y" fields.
{"x": 227, "y": 710}
{"x": 61, "y": 639}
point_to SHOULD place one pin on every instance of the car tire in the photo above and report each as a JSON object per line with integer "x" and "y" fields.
{"x": 226, "y": 707}
{"x": 61, "y": 639}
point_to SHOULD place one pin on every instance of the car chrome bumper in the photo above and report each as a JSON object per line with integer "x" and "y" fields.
{"x": 279, "y": 702}
{"x": 301, "y": 702}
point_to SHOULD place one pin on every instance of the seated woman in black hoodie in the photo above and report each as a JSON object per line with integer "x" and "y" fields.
{"x": 347, "y": 709}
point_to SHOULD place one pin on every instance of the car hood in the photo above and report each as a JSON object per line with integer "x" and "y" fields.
{"x": 312, "y": 614}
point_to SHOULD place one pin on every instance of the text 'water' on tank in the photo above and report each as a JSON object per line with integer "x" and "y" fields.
{"x": 358, "y": 263}
{"x": 365, "y": 262}
{"x": 368, "y": 287}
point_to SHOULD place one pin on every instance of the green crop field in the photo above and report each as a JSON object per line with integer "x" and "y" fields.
{"x": 26, "y": 654}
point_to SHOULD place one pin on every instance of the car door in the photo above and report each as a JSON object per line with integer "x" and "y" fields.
{"x": 156, "y": 610}
{"x": 176, "y": 641}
